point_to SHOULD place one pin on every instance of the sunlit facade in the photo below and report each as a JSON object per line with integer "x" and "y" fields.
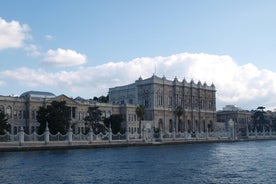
{"x": 161, "y": 97}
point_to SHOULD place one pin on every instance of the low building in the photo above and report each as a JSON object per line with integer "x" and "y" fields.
{"x": 22, "y": 110}
{"x": 241, "y": 118}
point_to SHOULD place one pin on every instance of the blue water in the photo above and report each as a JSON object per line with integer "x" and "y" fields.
{"x": 240, "y": 162}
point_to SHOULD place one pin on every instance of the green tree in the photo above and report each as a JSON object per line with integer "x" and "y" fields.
{"x": 3, "y": 123}
{"x": 140, "y": 112}
{"x": 178, "y": 112}
{"x": 101, "y": 99}
{"x": 93, "y": 120}
{"x": 57, "y": 115}
{"x": 259, "y": 119}
{"x": 115, "y": 121}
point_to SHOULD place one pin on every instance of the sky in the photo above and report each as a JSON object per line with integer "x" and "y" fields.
{"x": 83, "y": 48}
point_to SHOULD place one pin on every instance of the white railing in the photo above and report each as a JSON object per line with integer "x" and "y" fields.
{"x": 146, "y": 136}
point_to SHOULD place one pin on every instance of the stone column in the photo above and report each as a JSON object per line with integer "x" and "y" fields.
{"x": 110, "y": 134}
{"x": 160, "y": 134}
{"x": 186, "y": 134}
{"x": 127, "y": 135}
{"x": 174, "y": 134}
{"x": 47, "y": 134}
{"x": 70, "y": 135}
{"x": 143, "y": 135}
{"x": 233, "y": 133}
{"x": 21, "y": 136}
{"x": 207, "y": 134}
{"x": 90, "y": 135}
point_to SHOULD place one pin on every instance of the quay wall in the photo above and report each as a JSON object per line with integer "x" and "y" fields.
{"x": 65, "y": 145}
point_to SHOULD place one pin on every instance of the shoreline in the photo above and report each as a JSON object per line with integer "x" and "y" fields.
{"x": 38, "y": 146}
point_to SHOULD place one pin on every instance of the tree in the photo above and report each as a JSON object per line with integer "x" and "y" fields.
{"x": 115, "y": 121}
{"x": 178, "y": 111}
{"x": 3, "y": 123}
{"x": 140, "y": 112}
{"x": 259, "y": 119}
{"x": 57, "y": 115}
{"x": 101, "y": 99}
{"x": 93, "y": 120}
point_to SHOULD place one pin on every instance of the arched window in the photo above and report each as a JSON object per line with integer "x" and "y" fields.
{"x": 9, "y": 112}
{"x": 160, "y": 123}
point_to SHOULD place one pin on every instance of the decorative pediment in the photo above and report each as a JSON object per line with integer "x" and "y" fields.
{"x": 69, "y": 101}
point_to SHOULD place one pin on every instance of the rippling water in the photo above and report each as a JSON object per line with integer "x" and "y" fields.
{"x": 240, "y": 162}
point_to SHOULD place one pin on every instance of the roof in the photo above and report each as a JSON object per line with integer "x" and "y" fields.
{"x": 37, "y": 94}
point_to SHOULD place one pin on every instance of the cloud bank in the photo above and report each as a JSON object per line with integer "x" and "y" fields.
{"x": 244, "y": 85}
{"x": 12, "y": 34}
{"x": 63, "y": 58}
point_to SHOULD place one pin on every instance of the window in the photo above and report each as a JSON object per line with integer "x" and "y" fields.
{"x": 169, "y": 101}
{"x": 74, "y": 112}
{"x": 15, "y": 114}
{"x": 9, "y": 112}
{"x": 33, "y": 114}
{"x": 160, "y": 100}
{"x": 20, "y": 114}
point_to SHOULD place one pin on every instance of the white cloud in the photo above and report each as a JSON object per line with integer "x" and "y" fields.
{"x": 244, "y": 85}
{"x": 12, "y": 34}
{"x": 62, "y": 58}
{"x": 49, "y": 37}
{"x": 32, "y": 50}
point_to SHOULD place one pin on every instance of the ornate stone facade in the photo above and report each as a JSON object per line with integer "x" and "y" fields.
{"x": 161, "y": 97}
{"x": 22, "y": 110}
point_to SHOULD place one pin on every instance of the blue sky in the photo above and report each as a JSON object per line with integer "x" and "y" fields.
{"x": 81, "y": 48}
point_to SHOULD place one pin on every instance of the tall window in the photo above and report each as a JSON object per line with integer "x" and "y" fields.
{"x": 20, "y": 114}
{"x": 160, "y": 100}
{"x": 15, "y": 114}
{"x": 9, "y": 112}
{"x": 33, "y": 114}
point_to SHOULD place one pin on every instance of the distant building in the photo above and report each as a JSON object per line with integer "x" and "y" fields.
{"x": 161, "y": 97}
{"x": 241, "y": 118}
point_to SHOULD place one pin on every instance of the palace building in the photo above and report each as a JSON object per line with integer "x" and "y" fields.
{"x": 22, "y": 110}
{"x": 161, "y": 97}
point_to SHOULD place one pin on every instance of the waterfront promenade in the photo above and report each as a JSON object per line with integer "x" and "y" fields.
{"x": 47, "y": 141}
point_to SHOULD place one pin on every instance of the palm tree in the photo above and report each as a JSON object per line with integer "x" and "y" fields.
{"x": 178, "y": 111}
{"x": 140, "y": 112}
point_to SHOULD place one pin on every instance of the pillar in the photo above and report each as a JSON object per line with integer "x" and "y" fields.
{"x": 160, "y": 134}
{"x": 127, "y": 135}
{"x": 110, "y": 134}
{"x": 90, "y": 135}
{"x": 21, "y": 136}
{"x": 207, "y": 134}
{"x": 47, "y": 134}
{"x": 143, "y": 135}
{"x": 174, "y": 134}
{"x": 247, "y": 131}
{"x": 70, "y": 135}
